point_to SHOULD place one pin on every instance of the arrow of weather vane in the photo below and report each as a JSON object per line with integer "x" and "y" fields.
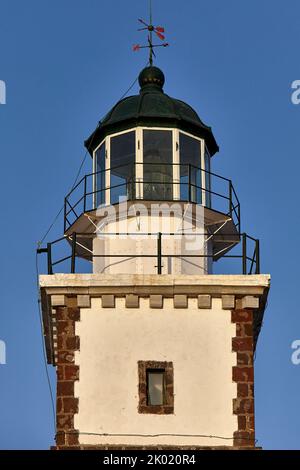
{"x": 158, "y": 30}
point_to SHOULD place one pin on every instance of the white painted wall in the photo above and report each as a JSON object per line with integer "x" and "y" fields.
{"x": 139, "y": 244}
{"x": 198, "y": 342}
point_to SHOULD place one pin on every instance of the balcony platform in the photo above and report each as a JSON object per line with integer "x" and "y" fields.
{"x": 90, "y": 224}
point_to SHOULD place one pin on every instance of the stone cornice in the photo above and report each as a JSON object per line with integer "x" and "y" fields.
{"x": 105, "y": 283}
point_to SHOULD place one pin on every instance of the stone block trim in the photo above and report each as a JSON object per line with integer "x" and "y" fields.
{"x": 58, "y": 300}
{"x": 132, "y": 301}
{"x": 108, "y": 301}
{"x": 67, "y": 371}
{"x": 249, "y": 301}
{"x": 243, "y": 375}
{"x": 156, "y": 301}
{"x": 83, "y": 301}
{"x": 228, "y": 302}
{"x": 180, "y": 301}
{"x": 204, "y": 301}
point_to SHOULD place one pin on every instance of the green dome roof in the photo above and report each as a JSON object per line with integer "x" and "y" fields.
{"x": 153, "y": 108}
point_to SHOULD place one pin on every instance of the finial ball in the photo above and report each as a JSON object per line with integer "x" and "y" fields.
{"x": 151, "y": 76}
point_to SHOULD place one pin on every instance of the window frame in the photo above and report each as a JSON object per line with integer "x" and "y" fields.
{"x": 167, "y": 129}
{"x": 144, "y": 367}
{"x": 107, "y": 140}
{"x": 95, "y": 174}
{"x": 202, "y": 163}
{"x": 110, "y": 137}
{"x": 207, "y": 197}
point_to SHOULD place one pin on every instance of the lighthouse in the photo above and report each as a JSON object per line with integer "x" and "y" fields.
{"x": 151, "y": 338}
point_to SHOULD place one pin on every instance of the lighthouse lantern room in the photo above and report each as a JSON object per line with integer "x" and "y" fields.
{"x": 153, "y": 153}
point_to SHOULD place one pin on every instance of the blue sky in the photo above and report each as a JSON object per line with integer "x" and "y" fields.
{"x": 65, "y": 63}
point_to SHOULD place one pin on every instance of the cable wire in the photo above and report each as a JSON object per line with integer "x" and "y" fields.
{"x": 43, "y": 343}
{"x": 210, "y": 436}
{"x": 72, "y": 187}
{"x": 129, "y": 89}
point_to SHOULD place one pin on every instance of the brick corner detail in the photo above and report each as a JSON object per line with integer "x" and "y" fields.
{"x": 67, "y": 373}
{"x": 243, "y": 375}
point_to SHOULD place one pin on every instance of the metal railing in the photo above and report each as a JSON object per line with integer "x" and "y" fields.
{"x": 193, "y": 184}
{"x": 249, "y": 255}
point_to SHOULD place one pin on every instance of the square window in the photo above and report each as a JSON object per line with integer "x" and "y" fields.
{"x": 156, "y": 387}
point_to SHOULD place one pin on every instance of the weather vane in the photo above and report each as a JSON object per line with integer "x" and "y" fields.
{"x": 158, "y": 30}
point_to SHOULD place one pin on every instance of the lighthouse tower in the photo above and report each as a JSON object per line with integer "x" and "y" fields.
{"x": 152, "y": 348}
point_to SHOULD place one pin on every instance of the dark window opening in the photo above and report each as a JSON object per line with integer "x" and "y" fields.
{"x": 158, "y": 165}
{"x": 122, "y": 166}
{"x": 155, "y": 387}
{"x": 190, "y": 169}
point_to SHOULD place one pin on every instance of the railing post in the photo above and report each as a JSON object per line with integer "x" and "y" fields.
{"x": 49, "y": 258}
{"x": 84, "y": 199}
{"x": 189, "y": 184}
{"x": 257, "y": 253}
{"x": 244, "y": 253}
{"x": 73, "y": 258}
{"x": 130, "y": 188}
{"x": 159, "y": 265}
{"x": 230, "y": 198}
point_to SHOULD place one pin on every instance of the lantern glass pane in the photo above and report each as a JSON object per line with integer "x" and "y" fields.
{"x": 190, "y": 169}
{"x": 158, "y": 165}
{"x": 122, "y": 166}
